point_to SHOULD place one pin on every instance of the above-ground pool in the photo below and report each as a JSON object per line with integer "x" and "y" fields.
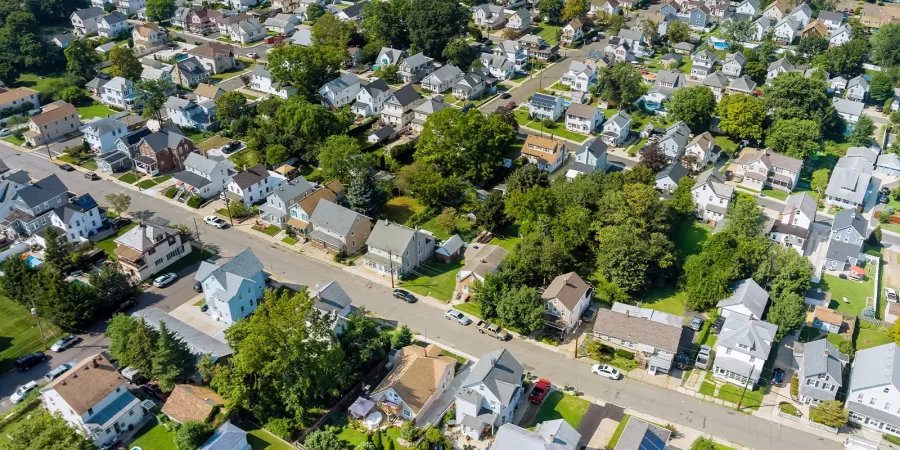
{"x": 181, "y": 57}
{"x": 33, "y": 261}
{"x": 721, "y": 45}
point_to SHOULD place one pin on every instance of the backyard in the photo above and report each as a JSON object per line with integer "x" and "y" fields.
{"x": 855, "y": 292}
{"x": 260, "y": 439}
{"x": 400, "y": 209}
{"x": 108, "y": 245}
{"x": 154, "y": 435}
{"x": 353, "y": 437}
{"x": 435, "y": 279}
{"x": 665, "y": 299}
{"x": 21, "y": 420}
{"x": 868, "y": 338}
{"x": 38, "y": 83}
{"x": 558, "y": 405}
{"x": 20, "y": 334}
{"x": 522, "y": 117}
{"x": 94, "y": 110}
{"x": 546, "y": 31}
{"x": 507, "y": 238}
{"x": 213, "y": 142}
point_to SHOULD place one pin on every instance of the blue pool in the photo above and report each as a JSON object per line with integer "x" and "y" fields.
{"x": 181, "y": 57}
{"x": 33, "y": 261}
{"x": 721, "y": 45}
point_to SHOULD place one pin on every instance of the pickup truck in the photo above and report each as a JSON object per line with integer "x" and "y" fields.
{"x": 493, "y": 330}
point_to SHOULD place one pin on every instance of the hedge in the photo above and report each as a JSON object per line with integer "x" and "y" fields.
{"x": 195, "y": 201}
{"x": 170, "y": 193}
{"x": 624, "y": 354}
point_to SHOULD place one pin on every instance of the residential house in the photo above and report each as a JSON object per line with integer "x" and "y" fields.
{"x": 642, "y": 435}
{"x": 565, "y": 299}
{"x": 848, "y": 232}
{"x": 426, "y": 109}
{"x": 489, "y": 16}
{"x": 339, "y": 229}
{"x": 472, "y": 85}
{"x": 247, "y": 31}
{"x": 548, "y": 154}
{"x": 821, "y": 371}
{"x": 874, "y": 387}
{"x": 802, "y": 14}
{"x": 785, "y": 30}
{"x": 610, "y": 7}
{"x": 580, "y": 76}
{"x": 253, "y": 185}
{"x": 442, "y": 79}
{"x": 371, "y": 97}
{"x": 747, "y": 299}
{"x": 32, "y": 204}
{"x": 572, "y": 32}
{"x": 749, "y": 8}
{"x": 826, "y": 319}
{"x": 10, "y": 183}
{"x": 831, "y": 19}
{"x": 55, "y": 121}
{"x": 583, "y": 119}
{"x": 93, "y": 397}
{"x": 498, "y": 66}
{"x": 733, "y": 66}
{"x": 241, "y": 5}
{"x": 742, "y": 85}
{"x": 389, "y": 57}
{"x": 858, "y": 89}
{"x": 712, "y": 195}
{"x": 481, "y": 260}
{"x": 490, "y": 394}
{"x": 128, "y": 144}
{"x": 675, "y": 140}
{"x": 332, "y": 300}
{"x": 765, "y": 169}
{"x": 205, "y": 92}
{"x": 782, "y": 66}
{"x": 130, "y": 6}
{"x": 397, "y": 250}
{"x": 191, "y": 114}
{"x": 671, "y": 61}
{"x": 536, "y": 48}
{"x": 261, "y": 80}
{"x": 204, "y": 176}
{"x": 591, "y": 157}
{"x": 417, "y": 378}
{"x": 620, "y": 49}
{"x": 851, "y": 178}
{"x": 667, "y": 179}
{"x": 653, "y": 336}
{"x": 776, "y": 11}
{"x": 224, "y": 24}
{"x": 149, "y": 248}
{"x": 181, "y": 17}
{"x": 282, "y": 24}
{"x": 684, "y": 48}
{"x": 340, "y": 91}
{"x": 102, "y": 133}
{"x": 815, "y": 28}
{"x": 302, "y": 210}
{"x": 792, "y": 228}
{"x": 840, "y": 36}
{"x": 414, "y": 68}
{"x": 22, "y": 98}
{"x": 190, "y": 403}
{"x": 232, "y": 290}
{"x": 717, "y": 82}
{"x": 112, "y": 25}
{"x": 86, "y": 21}
{"x": 399, "y": 106}
{"x": 148, "y": 35}
{"x": 616, "y": 130}
{"x": 699, "y": 17}
{"x": 849, "y": 110}
{"x": 119, "y": 92}
{"x": 888, "y": 164}
{"x": 188, "y": 73}
{"x": 666, "y": 83}
{"x": 761, "y": 28}
{"x": 160, "y": 72}
{"x": 215, "y": 57}
{"x": 704, "y": 63}
{"x": 543, "y": 106}
{"x": 513, "y": 52}
{"x": 302, "y": 37}
{"x": 227, "y": 437}
{"x": 78, "y": 219}
{"x": 63, "y": 40}
{"x": 104, "y": 49}
{"x": 520, "y": 21}
{"x": 163, "y": 151}
{"x": 275, "y": 210}
{"x": 742, "y": 349}
{"x": 837, "y": 84}
{"x": 703, "y": 148}
{"x": 549, "y": 435}
{"x": 352, "y": 13}
{"x": 198, "y": 342}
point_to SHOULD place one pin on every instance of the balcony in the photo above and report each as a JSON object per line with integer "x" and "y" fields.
{"x": 131, "y": 258}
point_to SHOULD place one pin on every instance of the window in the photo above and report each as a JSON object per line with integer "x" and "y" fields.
{"x": 131, "y": 412}
{"x": 887, "y": 406}
{"x": 872, "y": 401}
{"x": 90, "y": 411}
{"x": 242, "y": 309}
{"x": 886, "y": 390}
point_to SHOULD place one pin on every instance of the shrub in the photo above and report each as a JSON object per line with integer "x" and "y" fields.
{"x": 702, "y": 443}
{"x": 830, "y": 413}
{"x": 409, "y": 432}
{"x": 170, "y": 193}
{"x": 892, "y": 439}
{"x": 192, "y": 435}
{"x": 547, "y": 123}
{"x": 795, "y": 386}
{"x": 625, "y": 354}
{"x": 239, "y": 210}
{"x": 281, "y": 427}
{"x": 195, "y": 201}
{"x": 868, "y": 311}
{"x": 884, "y": 218}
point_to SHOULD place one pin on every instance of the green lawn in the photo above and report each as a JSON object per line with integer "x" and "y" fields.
{"x": 400, "y": 209}
{"x": 789, "y": 408}
{"x": 507, "y": 238}
{"x": 546, "y": 31}
{"x": 88, "y": 164}
{"x": 562, "y": 406}
{"x": 94, "y": 110}
{"x": 855, "y": 291}
{"x": 868, "y": 338}
{"x": 149, "y": 183}
{"x": 835, "y": 339}
{"x": 618, "y": 433}
{"x": 470, "y": 308}
{"x": 213, "y": 142}
{"x": 13, "y": 139}
{"x": 665, "y": 299}
{"x": 20, "y": 333}
{"x": 260, "y": 439}
{"x": 154, "y": 436}
{"x": 775, "y": 193}
{"x": 289, "y": 240}
{"x": 464, "y": 228}
{"x": 707, "y": 388}
{"x": 196, "y": 135}
{"x": 727, "y": 144}
{"x": 560, "y": 131}
{"x": 270, "y": 230}
{"x": 36, "y": 82}
{"x": 689, "y": 237}
{"x": 732, "y": 393}
{"x": 215, "y": 78}
{"x": 353, "y": 437}
{"x": 130, "y": 177}
{"x": 34, "y": 412}
{"x": 436, "y": 279}
{"x": 108, "y": 245}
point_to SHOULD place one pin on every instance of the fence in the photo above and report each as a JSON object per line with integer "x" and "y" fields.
{"x": 806, "y": 421}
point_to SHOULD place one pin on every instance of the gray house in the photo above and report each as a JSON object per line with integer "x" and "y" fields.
{"x": 490, "y": 394}
{"x": 642, "y": 435}
{"x": 821, "y": 372}
{"x": 275, "y": 210}
{"x": 748, "y": 299}
{"x": 888, "y": 164}
{"x": 850, "y": 180}
{"x": 675, "y": 140}
{"x": 550, "y": 435}
{"x": 415, "y": 68}
{"x": 332, "y": 300}
{"x": 32, "y": 206}
{"x": 848, "y": 232}
{"x": 394, "y": 248}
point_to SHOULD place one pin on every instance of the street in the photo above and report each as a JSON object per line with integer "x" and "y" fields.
{"x": 424, "y": 317}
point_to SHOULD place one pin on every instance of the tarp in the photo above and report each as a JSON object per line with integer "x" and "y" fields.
{"x": 361, "y": 407}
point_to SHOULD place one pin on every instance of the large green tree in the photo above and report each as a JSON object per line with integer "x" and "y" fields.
{"x": 633, "y": 259}
{"x": 621, "y": 84}
{"x": 863, "y": 131}
{"x": 794, "y": 96}
{"x": 124, "y": 63}
{"x": 340, "y": 157}
{"x": 794, "y": 137}
{"x": 459, "y": 53}
{"x": 491, "y": 215}
{"x": 191, "y": 435}
{"x": 522, "y": 309}
{"x": 848, "y": 59}
{"x": 172, "y": 361}
{"x": 430, "y": 186}
{"x": 742, "y": 116}
{"x": 363, "y": 194}
{"x": 576, "y": 9}
{"x": 434, "y": 23}
{"x": 695, "y": 105}
{"x": 551, "y": 9}
{"x": 384, "y": 23}
{"x": 881, "y": 87}
{"x": 886, "y": 45}
{"x": 788, "y": 313}
{"x": 812, "y": 46}
{"x": 230, "y": 106}
{"x": 112, "y": 286}
{"x": 677, "y": 32}
{"x": 153, "y": 94}
{"x": 159, "y": 10}
{"x": 45, "y": 431}
{"x": 305, "y": 68}
{"x": 81, "y": 59}
{"x": 329, "y": 31}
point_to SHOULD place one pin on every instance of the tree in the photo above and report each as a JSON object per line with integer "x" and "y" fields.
{"x": 632, "y": 258}
{"x": 365, "y": 445}
{"x": 384, "y": 23}
{"x": 736, "y": 32}
{"x": 525, "y": 178}
{"x": 702, "y": 443}
{"x": 172, "y": 361}
{"x": 56, "y": 250}
{"x": 447, "y": 220}
{"x": 551, "y": 9}
{"x": 678, "y": 31}
{"x": 863, "y": 131}
{"x": 830, "y": 413}
{"x": 794, "y": 137}
{"x": 118, "y": 202}
{"x": 881, "y": 87}
{"x": 793, "y": 96}
{"x": 112, "y": 286}
{"x": 153, "y": 94}
{"x": 81, "y": 59}
{"x": 322, "y": 440}
{"x": 119, "y": 331}
{"x": 206, "y": 367}
{"x": 191, "y": 435}
{"x": 340, "y": 157}
{"x": 886, "y": 45}
{"x": 654, "y": 158}
{"x": 745, "y": 217}
{"x": 362, "y": 194}
{"x": 682, "y": 202}
{"x": 819, "y": 180}
{"x": 812, "y": 46}
{"x": 434, "y": 23}
{"x": 54, "y": 10}
{"x": 230, "y": 106}
{"x": 314, "y": 11}
{"x": 17, "y": 280}
{"x": 428, "y": 185}
{"x": 620, "y": 83}
{"x": 140, "y": 348}
{"x": 695, "y": 105}
{"x": 329, "y": 31}
{"x": 124, "y": 63}
{"x": 491, "y": 216}
{"x": 742, "y": 116}
{"x": 650, "y": 30}
{"x": 848, "y": 59}
{"x": 45, "y": 431}
{"x": 305, "y": 68}
{"x": 158, "y": 10}
{"x": 74, "y": 95}
{"x": 276, "y": 154}
{"x": 788, "y": 313}
{"x": 459, "y": 53}
{"x": 388, "y": 73}
{"x": 508, "y": 116}
{"x": 575, "y": 9}
{"x": 522, "y": 309}
{"x": 894, "y": 332}
{"x": 402, "y": 337}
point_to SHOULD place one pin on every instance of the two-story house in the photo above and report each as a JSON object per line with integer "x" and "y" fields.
{"x": 668, "y": 178}
{"x": 733, "y": 66}
{"x": 793, "y": 227}
{"x": 519, "y": 21}
{"x": 742, "y": 349}
{"x": 858, "y": 89}
{"x": 653, "y": 336}
{"x": 56, "y": 120}
{"x": 490, "y": 394}
{"x": 93, "y": 397}
{"x": 247, "y": 31}
{"x": 565, "y": 299}
{"x": 399, "y": 106}
{"x": 86, "y": 21}
{"x": 551, "y": 434}
{"x": 301, "y": 211}
{"x": 785, "y": 30}
{"x": 675, "y": 140}
{"x": 32, "y": 204}
{"x": 544, "y": 106}
{"x": 163, "y": 151}
{"x": 617, "y": 129}
{"x": 702, "y": 148}
{"x": 840, "y": 36}
{"x": 370, "y": 98}
{"x": 590, "y": 158}
{"x": 332, "y": 300}
{"x": 584, "y": 119}
{"x": 78, "y": 219}
{"x": 765, "y": 169}
{"x": 339, "y": 229}
{"x": 131, "y": 6}
{"x": 572, "y": 32}
{"x": 781, "y": 66}
{"x": 874, "y": 391}
{"x": 747, "y": 299}
{"x": 275, "y": 210}
{"x": 396, "y": 249}
{"x": 253, "y": 185}
{"x": 704, "y": 63}
{"x": 712, "y": 195}
{"x": 112, "y": 25}
{"x": 199, "y": 114}
{"x": 760, "y": 28}
{"x": 776, "y": 11}
{"x": 750, "y": 8}
{"x": 498, "y": 66}
{"x": 489, "y": 16}
{"x": 261, "y": 80}
{"x": 536, "y": 48}
{"x": 22, "y": 98}
{"x": 189, "y": 72}
{"x": 580, "y": 76}
{"x": 851, "y": 178}
{"x": 214, "y": 56}
{"x": 474, "y": 84}
{"x": 224, "y": 24}
{"x": 802, "y": 14}
{"x": 608, "y": 6}
{"x": 666, "y": 83}
{"x": 831, "y": 19}
{"x": 513, "y": 52}
{"x": 821, "y": 372}
{"x": 426, "y": 109}
{"x": 102, "y": 133}
{"x": 232, "y": 290}
{"x": 441, "y": 80}
{"x": 417, "y": 378}
{"x": 204, "y": 176}
{"x": 147, "y": 36}
{"x": 845, "y": 243}
{"x": 548, "y": 154}
{"x": 414, "y": 68}
{"x": 119, "y": 92}
{"x": 481, "y": 260}
{"x": 340, "y": 91}
{"x": 149, "y": 248}
{"x": 742, "y": 85}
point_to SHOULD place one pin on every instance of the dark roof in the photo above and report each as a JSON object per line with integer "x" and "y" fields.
{"x": 332, "y": 298}
{"x": 250, "y": 176}
{"x": 136, "y": 136}
{"x": 191, "y": 179}
{"x": 41, "y": 191}
{"x": 354, "y": 10}
{"x": 191, "y": 65}
{"x": 406, "y": 95}
{"x": 675, "y": 171}
{"x": 168, "y": 137}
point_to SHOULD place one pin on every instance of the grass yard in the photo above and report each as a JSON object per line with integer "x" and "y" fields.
{"x": 634, "y": 149}
{"x": 868, "y": 338}
{"x": 13, "y": 139}
{"x": 88, "y": 164}
{"x": 507, "y": 238}
{"x": 470, "y": 308}
{"x": 789, "y": 408}
{"x": 775, "y": 193}
{"x": 665, "y": 299}
{"x": 36, "y": 82}
{"x": 270, "y": 230}
{"x": 94, "y": 110}
{"x": 308, "y": 171}
{"x": 108, "y": 245}
{"x": 835, "y": 339}
{"x": 130, "y": 178}
{"x": 464, "y": 228}
{"x": 435, "y": 279}
{"x": 289, "y": 240}
{"x": 732, "y": 393}
{"x": 154, "y": 436}
{"x": 20, "y": 333}
{"x": 400, "y": 209}
{"x": 547, "y": 31}
{"x": 524, "y": 120}
{"x": 689, "y": 238}
{"x": 707, "y": 388}
{"x": 727, "y": 144}
{"x": 260, "y": 439}
{"x": 854, "y": 291}
{"x": 196, "y": 135}
{"x": 618, "y": 433}
{"x": 213, "y": 142}
{"x": 215, "y": 78}
{"x": 353, "y": 437}
{"x": 562, "y": 406}
{"x": 34, "y": 410}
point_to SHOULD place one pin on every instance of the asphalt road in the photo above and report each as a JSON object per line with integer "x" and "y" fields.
{"x": 426, "y": 319}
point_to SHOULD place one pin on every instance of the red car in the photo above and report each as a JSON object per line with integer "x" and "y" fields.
{"x": 540, "y": 390}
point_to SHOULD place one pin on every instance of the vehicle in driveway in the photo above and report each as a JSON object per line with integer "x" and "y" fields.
{"x": 717, "y": 324}
{"x": 607, "y": 371}
{"x": 492, "y": 330}
{"x": 153, "y": 390}
{"x": 703, "y": 357}
{"x": 884, "y": 199}
{"x": 404, "y": 295}
{"x": 198, "y": 287}
{"x": 890, "y": 294}
{"x": 28, "y": 361}
{"x": 5, "y": 132}
{"x": 23, "y": 391}
{"x": 459, "y": 317}
{"x": 696, "y": 323}
{"x": 65, "y": 343}
{"x": 885, "y": 190}
{"x": 539, "y": 391}
{"x": 164, "y": 280}
{"x": 55, "y": 373}
{"x": 589, "y": 313}
{"x": 778, "y": 376}
{"x": 215, "y": 221}
{"x": 682, "y": 361}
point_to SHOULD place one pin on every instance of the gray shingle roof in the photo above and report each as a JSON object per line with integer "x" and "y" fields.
{"x": 332, "y": 298}
{"x": 198, "y": 342}
{"x": 374, "y": 88}
{"x": 549, "y": 435}
{"x": 803, "y": 202}
{"x": 405, "y": 95}
{"x": 446, "y": 72}
{"x": 581, "y": 110}
{"x": 876, "y": 366}
{"x": 105, "y": 125}
{"x": 595, "y": 147}
{"x": 831, "y": 16}
{"x": 568, "y": 288}
{"x": 748, "y": 293}
{"x": 168, "y": 137}
{"x": 250, "y": 176}
{"x": 334, "y": 217}
{"x": 743, "y": 84}
{"x": 641, "y": 325}
{"x": 641, "y": 435}
{"x": 145, "y": 236}
{"x": 390, "y": 236}
{"x": 822, "y": 357}
{"x": 226, "y": 437}
{"x": 417, "y": 60}
{"x": 675, "y": 172}
{"x": 890, "y": 160}
{"x": 621, "y": 119}
{"x": 756, "y": 335}
{"x": 500, "y": 373}
{"x": 849, "y": 107}
{"x": 87, "y": 13}
{"x": 716, "y": 182}
{"x": 243, "y": 266}
{"x": 290, "y": 191}
{"x": 41, "y": 191}
{"x": 716, "y": 79}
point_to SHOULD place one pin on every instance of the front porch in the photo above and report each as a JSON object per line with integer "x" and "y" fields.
{"x": 146, "y": 165}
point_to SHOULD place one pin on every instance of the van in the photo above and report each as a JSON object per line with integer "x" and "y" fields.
{"x": 890, "y": 294}
{"x": 55, "y": 373}
{"x": 132, "y": 375}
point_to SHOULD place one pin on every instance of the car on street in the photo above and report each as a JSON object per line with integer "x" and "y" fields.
{"x": 696, "y": 323}
{"x": 5, "y": 132}
{"x": 462, "y": 319}
{"x": 778, "y": 376}
{"x": 253, "y": 55}
{"x": 215, "y": 221}
{"x": 890, "y": 294}
{"x": 92, "y": 176}
{"x": 66, "y": 167}
{"x": 505, "y": 95}
{"x": 605, "y": 370}
{"x": 404, "y": 295}
{"x": 23, "y": 391}
{"x": 65, "y": 343}
{"x": 539, "y": 391}
{"x": 198, "y": 287}
{"x": 55, "y": 373}
{"x": 511, "y": 105}
{"x": 492, "y": 330}
{"x": 30, "y": 360}
{"x": 879, "y": 108}
{"x": 164, "y": 280}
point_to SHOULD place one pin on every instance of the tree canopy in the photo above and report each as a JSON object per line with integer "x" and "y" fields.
{"x": 434, "y": 23}
{"x": 695, "y": 105}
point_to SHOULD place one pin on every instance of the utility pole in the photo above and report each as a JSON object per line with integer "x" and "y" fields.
{"x": 198, "y": 235}
{"x": 228, "y": 209}
{"x": 34, "y": 313}
{"x": 749, "y": 377}
{"x": 391, "y": 262}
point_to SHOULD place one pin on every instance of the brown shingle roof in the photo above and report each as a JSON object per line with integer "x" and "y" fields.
{"x": 206, "y": 90}
{"x": 189, "y": 402}
{"x": 146, "y": 29}
{"x": 567, "y": 288}
{"x": 14, "y": 95}
{"x": 828, "y": 316}
{"x": 87, "y": 383}
{"x": 417, "y": 374}
{"x": 309, "y": 203}
{"x": 54, "y": 114}
{"x": 211, "y": 49}
{"x": 637, "y": 329}
{"x": 541, "y": 142}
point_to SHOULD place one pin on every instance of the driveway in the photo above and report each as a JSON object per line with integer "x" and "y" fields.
{"x": 192, "y": 315}
{"x": 817, "y": 247}
{"x": 594, "y": 415}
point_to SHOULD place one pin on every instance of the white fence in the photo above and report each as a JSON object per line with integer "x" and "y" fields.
{"x": 806, "y": 421}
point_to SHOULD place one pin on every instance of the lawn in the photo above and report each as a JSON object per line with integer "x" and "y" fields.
{"x": 154, "y": 436}
{"x": 789, "y": 408}
{"x": 464, "y": 228}
{"x": 546, "y": 31}
{"x": 94, "y": 110}
{"x": 20, "y": 334}
{"x": 732, "y": 393}
{"x": 507, "y": 238}
{"x": 854, "y": 291}
{"x": 835, "y": 339}
{"x": 562, "y": 406}
{"x": 689, "y": 238}
{"x": 618, "y": 433}
{"x": 13, "y": 139}
{"x": 150, "y": 182}
{"x": 707, "y": 388}
{"x": 88, "y": 164}
{"x": 665, "y": 299}
{"x": 560, "y": 131}
{"x": 260, "y": 439}
{"x": 289, "y": 240}
{"x": 470, "y": 308}
{"x": 229, "y": 74}
{"x": 775, "y": 193}
{"x": 213, "y": 142}
{"x": 353, "y": 437}
{"x": 36, "y": 82}
{"x": 34, "y": 412}
{"x": 130, "y": 178}
{"x": 309, "y": 171}
{"x": 400, "y": 209}
{"x": 435, "y": 279}
{"x": 868, "y": 338}
{"x": 727, "y": 144}
{"x": 108, "y": 245}
{"x": 270, "y": 230}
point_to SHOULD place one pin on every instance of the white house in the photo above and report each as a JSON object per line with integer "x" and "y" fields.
{"x": 247, "y": 31}
{"x": 396, "y": 250}
{"x": 668, "y": 178}
{"x": 192, "y": 114}
{"x": 858, "y": 89}
{"x": 86, "y": 21}
{"x": 675, "y": 140}
{"x": 666, "y": 83}
{"x": 748, "y": 7}
{"x": 78, "y": 219}
{"x": 232, "y": 290}
{"x": 389, "y": 57}
{"x": 760, "y": 28}
{"x": 253, "y": 185}
{"x": 102, "y": 133}
{"x": 149, "y": 248}
{"x": 742, "y": 349}
{"x": 565, "y": 299}
{"x": 733, "y": 66}
{"x": 519, "y": 21}
{"x": 513, "y": 52}
{"x": 111, "y": 25}
{"x": 652, "y": 336}
{"x": 888, "y": 164}
{"x": 119, "y": 92}
{"x": 610, "y": 7}
{"x": 275, "y": 210}
{"x": 580, "y": 76}
{"x": 418, "y": 377}
{"x": 490, "y": 394}
{"x": 551, "y": 434}
{"x": 371, "y": 97}
{"x": 712, "y": 195}
{"x": 572, "y": 32}
{"x": 747, "y": 299}
{"x": 481, "y": 260}
{"x": 261, "y": 80}
{"x": 781, "y": 66}
{"x": 802, "y": 14}
{"x": 488, "y": 16}
{"x": 616, "y": 130}
{"x": 840, "y": 36}
{"x": 702, "y": 147}
{"x": 717, "y": 82}
{"x": 548, "y": 154}
{"x": 204, "y": 176}
{"x": 704, "y": 62}
{"x": 796, "y": 219}
{"x": 786, "y": 30}
{"x": 831, "y": 19}
{"x": 543, "y": 106}
{"x": 875, "y": 388}
{"x": 399, "y": 106}
{"x": 340, "y": 91}
{"x": 583, "y": 119}
{"x": 850, "y": 179}
{"x": 443, "y": 79}
{"x": 498, "y": 66}
{"x": 766, "y": 169}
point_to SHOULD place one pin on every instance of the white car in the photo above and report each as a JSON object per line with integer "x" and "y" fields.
{"x": 65, "y": 343}
{"x": 164, "y": 280}
{"x": 461, "y": 318}
{"x": 215, "y": 221}
{"x": 23, "y": 391}
{"x": 606, "y": 371}
{"x": 5, "y": 132}
{"x": 253, "y": 55}
{"x": 55, "y": 373}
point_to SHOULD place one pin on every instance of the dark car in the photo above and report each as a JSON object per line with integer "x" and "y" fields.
{"x": 198, "y": 287}
{"x": 127, "y": 304}
{"x": 28, "y": 361}
{"x": 884, "y": 199}
{"x": 511, "y": 105}
{"x": 729, "y": 175}
{"x": 153, "y": 390}
{"x": 717, "y": 324}
{"x": 66, "y": 167}
{"x": 505, "y": 95}
{"x": 539, "y": 391}
{"x": 589, "y": 313}
{"x": 404, "y": 295}
{"x": 682, "y": 361}
{"x": 120, "y": 222}
{"x": 92, "y": 176}
{"x": 885, "y": 190}
{"x": 879, "y": 108}
{"x": 778, "y": 376}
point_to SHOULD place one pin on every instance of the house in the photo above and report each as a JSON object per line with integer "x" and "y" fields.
{"x": 831, "y": 19}
{"x": 675, "y": 140}
{"x": 548, "y": 154}
{"x": 733, "y": 66}
{"x": 782, "y": 66}
{"x": 513, "y": 52}
{"x": 160, "y": 72}
{"x": 190, "y": 403}
{"x": 840, "y": 36}
{"x": 232, "y": 290}
{"x": 340, "y": 91}
{"x": 850, "y": 179}
{"x": 102, "y": 133}
{"x": 205, "y": 92}
{"x": 761, "y": 28}
{"x": 703, "y": 63}
{"x": 489, "y": 16}
{"x": 181, "y": 17}
{"x": 332, "y": 300}
{"x": 747, "y": 299}
{"x": 699, "y": 17}
{"x": 616, "y": 130}
{"x": 742, "y": 349}
{"x": 128, "y": 144}
{"x": 565, "y": 299}
{"x": 717, "y": 82}
{"x": 395, "y": 249}
{"x": 580, "y": 76}
{"x": 826, "y": 319}
{"x": 792, "y": 228}
{"x": 802, "y": 14}
{"x": 874, "y": 387}
{"x": 149, "y": 248}
{"x": 743, "y": 85}
{"x": 352, "y": 13}
{"x": 610, "y": 7}
{"x": 246, "y": 31}
{"x": 536, "y": 48}
{"x": 215, "y": 57}
{"x": 339, "y": 229}
{"x": 481, "y": 260}
{"x": 189, "y": 72}
{"x": 198, "y": 342}
{"x": 633, "y": 37}
{"x": 163, "y": 151}
{"x": 32, "y": 204}
{"x": 282, "y": 24}
{"x": 572, "y": 32}
{"x": 849, "y": 110}
{"x": 426, "y": 109}
{"x": 498, "y": 66}
{"x": 119, "y": 92}
{"x": 821, "y": 371}
{"x": 749, "y": 8}
{"x": 112, "y": 25}
{"x": 253, "y": 185}
{"x": 667, "y": 179}
{"x": 418, "y": 377}
{"x": 549, "y": 435}
{"x": 399, "y": 106}
{"x": 302, "y": 37}
{"x": 702, "y": 147}
{"x": 712, "y": 195}
{"x": 302, "y": 210}
{"x": 664, "y": 86}
{"x": 837, "y": 84}
{"x": 671, "y": 61}
{"x": 652, "y": 336}
{"x": 261, "y": 80}
{"x": 543, "y": 106}
{"x": 519, "y": 21}
{"x": 766, "y": 169}
{"x": 370, "y": 98}
{"x": 204, "y": 176}
{"x": 619, "y": 49}
{"x": 815, "y": 28}
{"x": 275, "y": 210}
{"x": 776, "y": 11}
{"x": 888, "y": 164}
{"x": 63, "y": 40}
{"x": 642, "y": 435}
{"x": 470, "y": 86}
{"x": 191, "y": 114}
{"x": 93, "y": 397}
{"x": 414, "y": 68}
{"x": 442, "y": 79}
{"x": 684, "y": 48}
{"x": 785, "y": 30}
{"x": 490, "y": 394}
{"x": 55, "y": 121}
{"x": 227, "y": 437}
{"x": 10, "y": 184}
{"x": 389, "y": 57}
{"x": 86, "y": 21}
{"x": 583, "y": 119}
{"x": 104, "y": 49}
{"x": 147, "y": 36}
{"x": 131, "y": 6}
{"x": 78, "y": 219}
{"x": 858, "y": 89}
{"x": 848, "y": 232}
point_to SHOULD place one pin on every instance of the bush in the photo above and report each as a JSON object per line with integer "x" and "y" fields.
{"x": 195, "y": 201}
{"x": 795, "y": 386}
{"x": 868, "y": 311}
{"x": 830, "y": 413}
{"x": 192, "y": 435}
{"x": 892, "y": 439}
{"x": 884, "y": 218}
{"x": 410, "y": 433}
{"x": 239, "y": 210}
{"x": 625, "y": 354}
{"x": 281, "y": 427}
{"x": 170, "y": 193}
{"x": 547, "y": 123}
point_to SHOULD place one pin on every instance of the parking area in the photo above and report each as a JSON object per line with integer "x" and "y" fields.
{"x": 191, "y": 313}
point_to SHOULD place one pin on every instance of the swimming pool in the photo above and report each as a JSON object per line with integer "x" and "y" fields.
{"x": 181, "y": 57}
{"x": 721, "y": 45}
{"x": 33, "y": 261}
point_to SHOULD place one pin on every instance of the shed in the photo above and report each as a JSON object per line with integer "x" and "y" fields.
{"x": 451, "y": 249}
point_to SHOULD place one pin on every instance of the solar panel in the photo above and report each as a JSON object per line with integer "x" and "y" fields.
{"x": 543, "y": 100}
{"x": 652, "y": 442}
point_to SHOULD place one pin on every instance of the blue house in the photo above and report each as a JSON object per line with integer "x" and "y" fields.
{"x": 699, "y": 18}
{"x": 668, "y": 9}
{"x": 233, "y": 289}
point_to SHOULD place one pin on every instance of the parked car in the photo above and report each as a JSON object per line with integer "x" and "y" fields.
{"x": 885, "y": 190}
{"x": 231, "y": 147}
{"x": 884, "y": 199}
{"x": 511, "y": 105}
{"x": 607, "y": 371}
{"x": 215, "y": 221}
{"x": 153, "y": 390}
{"x": 539, "y": 391}
{"x": 493, "y": 330}
{"x": 703, "y": 357}
{"x": 778, "y": 376}
{"x": 164, "y": 280}
{"x": 127, "y": 304}
{"x": 462, "y": 319}
{"x": 92, "y": 176}
{"x": 505, "y": 95}
{"x": 23, "y": 391}
{"x": 120, "y": 222}
{"x": 198, "y": 287}
{"x": 66, "y": 167}
{"x": 717, "y": 324}
{"x": 682, "y": 361}
{"x": 890, "y": 294}
{"x": 253, "y": 55}
{"x": 55, "y": 373}
{"x": 65, "y": 343}
{"x": 28, "y": 361}
{"x": 729, "y": 175}
{"x": 696, "y": 323}
{"x": 590, "y": 313}
{"x": 404, "y": 295}
{"x": 5, "y": 132}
